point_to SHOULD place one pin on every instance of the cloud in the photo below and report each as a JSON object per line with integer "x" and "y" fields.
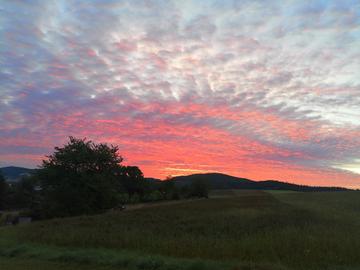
{"x": 249, "y": 88}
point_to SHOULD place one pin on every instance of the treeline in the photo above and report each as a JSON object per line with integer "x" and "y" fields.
{"x": 84, "y": 177}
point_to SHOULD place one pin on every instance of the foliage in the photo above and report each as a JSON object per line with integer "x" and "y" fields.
{"x": 199, "y": 188}
{"x": 169, "y": 190}
{"x": 3, "y": 191}
{"x": 25, "y": 194}
{"x": 84, "y": 177}
{"x": 153, "y": 196}
{"x": 79, "y": 178}
{"x": 132, "y": 180}
{"x": 21, "y": 194}
{"x": 123, "y": 198}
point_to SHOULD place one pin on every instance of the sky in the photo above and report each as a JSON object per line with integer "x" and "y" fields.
{"x": 257, "y": 89}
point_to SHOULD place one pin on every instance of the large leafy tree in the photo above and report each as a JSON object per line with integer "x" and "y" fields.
{"x": 80, "y": 178}
{"x": 3, "y": 191}
{"x": 132, "y": 180}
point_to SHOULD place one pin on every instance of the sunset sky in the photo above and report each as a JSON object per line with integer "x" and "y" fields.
{"x": 257, "y": 89}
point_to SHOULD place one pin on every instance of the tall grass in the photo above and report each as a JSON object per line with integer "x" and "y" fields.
{"x": 32, "y": 264}
{"x": 249, "y": 229}
{"x": 104, "y": 257}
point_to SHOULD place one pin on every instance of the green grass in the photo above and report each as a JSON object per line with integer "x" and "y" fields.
{"x": 4, "y": 214}
{"x": 102, "y": 258}
{"x": 31, "y": 264}
{"x": 232, "y": 230}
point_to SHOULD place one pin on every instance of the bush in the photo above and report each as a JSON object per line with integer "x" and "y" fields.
{"x": 135, "y": 198}
{"x": 153, "y": 196}
{"x": 199, "y": 188}
{"x": 123, "y": 198}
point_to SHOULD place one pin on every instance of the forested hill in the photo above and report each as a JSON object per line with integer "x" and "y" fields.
{"x": 13, "y": 173}
{"x": 213, "y": 180}
{"x": 223, "y": 181}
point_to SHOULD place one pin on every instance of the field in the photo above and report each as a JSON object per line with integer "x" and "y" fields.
{"x": 231, "y": 230}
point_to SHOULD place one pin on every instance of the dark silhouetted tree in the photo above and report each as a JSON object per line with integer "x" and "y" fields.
{"x": 3, "y": 191}
{"x": 169, "y": 190}
{"x": 23, "y": 193}
{"x": 199, "y": 188}
{"x": 132, "y": 180}
{"x": 79, "y": 178}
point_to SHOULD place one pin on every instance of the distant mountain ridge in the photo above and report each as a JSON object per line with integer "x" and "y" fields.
{"x": 13, "y": 173}
{"x": 213, "y": 180}
{"x": 224, "y": 181}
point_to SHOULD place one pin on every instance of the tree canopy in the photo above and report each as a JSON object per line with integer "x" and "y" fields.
{"x": 132, "y": 180}
{"x": 3, "y": 189}
{"x": 80, "y": 178}
{"x": 84, "y": 177}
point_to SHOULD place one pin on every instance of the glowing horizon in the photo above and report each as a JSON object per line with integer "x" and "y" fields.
{"x": 255, "y": 89}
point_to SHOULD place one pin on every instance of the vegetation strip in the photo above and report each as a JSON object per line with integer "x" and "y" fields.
{"x": 106, "y": 257}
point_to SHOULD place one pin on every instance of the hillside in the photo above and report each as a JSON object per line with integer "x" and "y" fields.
{"x": 13, "y": 173}
{"x": 223, "y": 181}
{"x": 216, "y": 181}
{"x": 213, "y": 180}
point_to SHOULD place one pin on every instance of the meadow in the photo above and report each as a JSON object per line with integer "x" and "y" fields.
{"x": 234, "y": 229}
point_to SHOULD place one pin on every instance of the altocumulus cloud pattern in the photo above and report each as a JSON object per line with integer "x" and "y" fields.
{"x": 259, "y": 89}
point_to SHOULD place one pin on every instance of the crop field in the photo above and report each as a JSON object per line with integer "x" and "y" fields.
{"x": 231, "y": 230}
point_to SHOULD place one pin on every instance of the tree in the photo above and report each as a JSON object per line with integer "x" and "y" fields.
{"x": 3, "y": 191}
{"x": 132, "y": 180}
{"x": 199, "y": 188}
{"x": 79, "y": 178}
{"x": 22, "y": 193}
{"x": 169, "y": 190}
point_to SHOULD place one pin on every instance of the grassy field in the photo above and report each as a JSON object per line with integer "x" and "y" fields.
{"x": 27, "y": 264}
{"x": 231, "y": 230}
